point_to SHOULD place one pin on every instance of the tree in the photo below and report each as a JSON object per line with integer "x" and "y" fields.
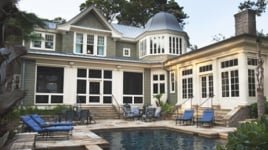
{"x": 259, "y": 6}
{"x": 135, "y": 12}
{"x": 15, "y": 26}
{"x": 108, "y": 8}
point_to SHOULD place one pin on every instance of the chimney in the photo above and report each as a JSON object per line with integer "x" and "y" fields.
{"x": 245, "y": 22}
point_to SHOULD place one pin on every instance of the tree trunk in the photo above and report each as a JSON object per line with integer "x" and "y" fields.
{"x": 260, "y": 103}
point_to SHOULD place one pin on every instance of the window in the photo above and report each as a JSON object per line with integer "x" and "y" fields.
{"x": 94, "y": 86}
{"x": 126, "y": 52}
{"x": 230, "y": 83}
{"x": 49, "y": 85}
{"x": 252, "y": 63}
{"x": 44, "y": 41}
{"x": 158, "y": 83}
{"x": 251, "y": 83}
{"x": 207, "y": 86}
{"x": 90, "y": 44}
{"x": 172, "y": 82}
{"x": 133, "y": 87}
{"x": 175, "y": 45}
{"x": 205, "y": 68}
{"x": 187, "y": 88}
{"x": 187, "y": 83}
{"x": 229, "y": 63}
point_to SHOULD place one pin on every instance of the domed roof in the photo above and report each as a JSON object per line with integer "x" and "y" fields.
{"x": 163, "y": 21}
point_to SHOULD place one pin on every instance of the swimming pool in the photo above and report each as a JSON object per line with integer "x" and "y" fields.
{"x": 156, "y": 139}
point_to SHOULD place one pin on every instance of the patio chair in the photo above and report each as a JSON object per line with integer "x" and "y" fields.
{"x": 86, "y": 115}
{"x": 37, "y": 118}
{"x": 130, "y": 112}
{"x": 149, "y": 114}
{"x": 207, "y": 118}
{"x": 45, "y": 131}
{"x": 157, "y": 113}
{"x": 188, "y": 116}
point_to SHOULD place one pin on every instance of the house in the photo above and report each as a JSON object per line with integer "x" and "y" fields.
{"x": 92, "y": 62}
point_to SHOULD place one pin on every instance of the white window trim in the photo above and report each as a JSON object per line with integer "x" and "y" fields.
{"x": 124, "y": 52}
{"x": 43, "y": 41}
{"x": 85, "y": 43}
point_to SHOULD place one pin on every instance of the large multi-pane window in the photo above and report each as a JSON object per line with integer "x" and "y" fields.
{"x": 94, "y": 86}
{"x": 187, "y": 83}
{"x": 44, "y": 41}
{"x": 206, "y": 78}
{"x": 133, "y": 87}
{"x": 89, "y": 44}
{"x": 49, "y": 85}
{"x": 252, "y": 63}
{"x": 207, "y": 86}
{"x": 230, "y": 78}
{"x": 159, "y": 83}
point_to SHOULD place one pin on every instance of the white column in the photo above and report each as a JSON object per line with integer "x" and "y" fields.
{"x": 117, "y": 85}
{"x": 216, "y": 81}
{"x": 243, "y": 79}
{"x": 70, "y": 84}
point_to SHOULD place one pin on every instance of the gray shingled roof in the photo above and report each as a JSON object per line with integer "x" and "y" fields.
{"x": 160, "y": 21}
{"x": 128, "y": 31}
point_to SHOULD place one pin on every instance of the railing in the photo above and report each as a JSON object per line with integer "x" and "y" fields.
{"x": 117, "y": 106}
{"x": 180, "y": 105}
{"x": 209, "y": 98}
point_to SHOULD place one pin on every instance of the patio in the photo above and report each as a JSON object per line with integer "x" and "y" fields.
{"x": 83, "y": 136}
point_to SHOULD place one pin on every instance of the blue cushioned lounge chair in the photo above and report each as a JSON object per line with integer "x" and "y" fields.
{"x": 207, "y": 118}
{"x": 187, "y": 117}
{"x": 45, "y": 131}
{"x": 43, "y": 123}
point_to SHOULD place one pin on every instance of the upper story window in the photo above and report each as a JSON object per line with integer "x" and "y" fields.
{"x": 89, "y": 44}
{"x": 161, "y": 44}
{"x": 44, "y": 41}
{"x": 126, "y": 52}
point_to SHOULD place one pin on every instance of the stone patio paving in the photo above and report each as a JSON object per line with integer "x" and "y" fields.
{"x": 84, "y": 136}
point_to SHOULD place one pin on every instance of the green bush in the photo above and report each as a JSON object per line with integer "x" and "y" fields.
{"x": 253, "y": 110}
{"x": 249, "y": 136}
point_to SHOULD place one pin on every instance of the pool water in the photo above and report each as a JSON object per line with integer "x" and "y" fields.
{"x": 161, "y": 139}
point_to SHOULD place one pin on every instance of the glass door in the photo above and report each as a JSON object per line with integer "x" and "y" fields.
{"x": 94, "y": 92}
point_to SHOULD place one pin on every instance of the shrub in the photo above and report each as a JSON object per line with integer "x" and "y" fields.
{"x": 250, "y": 135}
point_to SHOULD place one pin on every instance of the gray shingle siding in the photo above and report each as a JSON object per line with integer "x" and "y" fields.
{"x": 121, "y": 45}
{"x": 67, "y": 42}
{"x": 147, "y": 86}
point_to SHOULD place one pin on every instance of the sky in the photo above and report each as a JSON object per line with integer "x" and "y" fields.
{"x": 207, "y": 18}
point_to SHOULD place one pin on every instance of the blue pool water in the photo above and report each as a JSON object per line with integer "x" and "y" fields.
{"x": 160, "y": 139}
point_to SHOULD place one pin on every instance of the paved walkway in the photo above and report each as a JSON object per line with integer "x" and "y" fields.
{"x": 83, "y": 137}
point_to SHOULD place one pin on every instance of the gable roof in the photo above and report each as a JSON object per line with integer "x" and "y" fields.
{"x": 69, "y": 24}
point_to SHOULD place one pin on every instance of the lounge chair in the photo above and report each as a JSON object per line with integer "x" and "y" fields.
{"x": 188, "y": 116}
{"x": 43, "y": 123}
{"x": 149, "y": 114}
{"x": 207, "y": 118}
{"x": 45, "y": 131}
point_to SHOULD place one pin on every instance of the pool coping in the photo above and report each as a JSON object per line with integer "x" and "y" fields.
{"x": 83, "y": 135}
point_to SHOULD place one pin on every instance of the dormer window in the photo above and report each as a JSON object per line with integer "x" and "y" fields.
{"x": 126, "y": 52}
{"x": 91, "y": 44}
{"x": 44, "y": 41}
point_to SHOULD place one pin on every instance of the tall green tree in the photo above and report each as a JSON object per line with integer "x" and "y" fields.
{"x": 135, "y": 12}
{"x": 259, "y": 7}
{"x": 108, "y": 8}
